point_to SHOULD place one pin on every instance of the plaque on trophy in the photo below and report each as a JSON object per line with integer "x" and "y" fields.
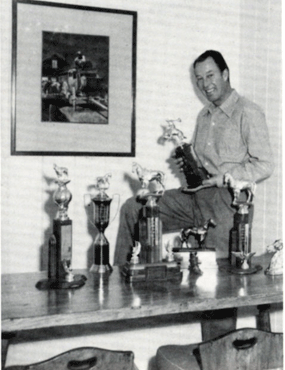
{"x": 60, "y": 274}
{"x": 193, "y": 169}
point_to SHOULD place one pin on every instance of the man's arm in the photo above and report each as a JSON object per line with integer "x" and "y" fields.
{"x": 258, "y": 164}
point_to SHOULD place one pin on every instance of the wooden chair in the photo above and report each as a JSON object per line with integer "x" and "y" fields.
{"x": 242, "y": 349}
{"x": 85, "y": 358}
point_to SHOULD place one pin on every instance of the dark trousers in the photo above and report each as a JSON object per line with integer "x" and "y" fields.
{"x": 179, "y": 210}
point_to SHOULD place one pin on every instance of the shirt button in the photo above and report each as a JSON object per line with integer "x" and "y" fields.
{"x": 213, "y": 123}
{"x": 206, "y": 163}
{"x": 209, "y": 143}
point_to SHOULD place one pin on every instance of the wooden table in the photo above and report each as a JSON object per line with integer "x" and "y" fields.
{"x": 108, "y": 298}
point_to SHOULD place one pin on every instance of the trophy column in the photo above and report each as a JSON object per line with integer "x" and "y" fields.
{"x": 146, "y": 262}
{"x": 240, "y": 253}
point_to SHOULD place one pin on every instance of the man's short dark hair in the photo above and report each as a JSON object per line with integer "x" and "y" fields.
{"x": 216, "y": 55}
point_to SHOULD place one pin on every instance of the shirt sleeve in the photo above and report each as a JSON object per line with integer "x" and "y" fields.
{"x": 258, "y": 164}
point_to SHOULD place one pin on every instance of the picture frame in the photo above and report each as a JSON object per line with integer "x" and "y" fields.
{"x": 62, "y": 105}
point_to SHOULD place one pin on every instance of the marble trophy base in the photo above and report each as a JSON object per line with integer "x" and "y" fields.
{"x": 149, "y": 272}
{"x": 101, "y": 268}
{"x": 49, "y": 284}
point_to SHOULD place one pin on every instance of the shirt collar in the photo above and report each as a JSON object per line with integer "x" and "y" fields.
{"x": 227, "y": 106}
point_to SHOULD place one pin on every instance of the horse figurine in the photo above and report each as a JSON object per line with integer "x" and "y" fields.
{"x": 62, "y": 174}
{"x": 135, "y": 253}
{"x": 199, "y": 232}
{"x": 171, "y": 133}
{"x": 276, "y": 264}
{"x": 102, "y": 182}
{"x": 146, "y": 176}
{"x": 239, "y": 185}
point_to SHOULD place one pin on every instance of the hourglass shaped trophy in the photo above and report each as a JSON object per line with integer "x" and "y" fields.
{"x": 102, "y": 204}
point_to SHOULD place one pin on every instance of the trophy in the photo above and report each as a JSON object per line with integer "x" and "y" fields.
{"x": 60, "y": 274}
{"x": 240, "y": 236}
{"x": 101, "y": 204}
{"x": 193, "y": 169}
{"x": 146, "y": 261}
{"x": 199, "y": 233}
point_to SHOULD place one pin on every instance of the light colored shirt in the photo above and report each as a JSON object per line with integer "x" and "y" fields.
{"x": 233, "y": 138}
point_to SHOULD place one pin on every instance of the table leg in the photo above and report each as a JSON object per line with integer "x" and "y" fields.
{"x": 263, "y": 317}
{"x": 218, "y": 322}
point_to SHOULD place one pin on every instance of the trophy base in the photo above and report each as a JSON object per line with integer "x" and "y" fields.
{"x": 148, "y": 272}
{"x": 101, "y": 269}
{"x": 48, "y": 284}
{"x": 194, "y": 261}
{"x": 239, "y": 271}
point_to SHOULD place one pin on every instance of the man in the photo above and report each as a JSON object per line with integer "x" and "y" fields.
{"x": 230, "y": 136}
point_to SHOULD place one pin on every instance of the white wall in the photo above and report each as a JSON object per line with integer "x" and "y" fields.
{"x": 171, "y": 33}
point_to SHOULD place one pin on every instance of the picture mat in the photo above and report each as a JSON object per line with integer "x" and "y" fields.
{"x": 34, "y": 135}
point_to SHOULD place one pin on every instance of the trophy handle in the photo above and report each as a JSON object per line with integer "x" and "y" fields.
{"x": 88, "y": 203}
{"x": 117, "y": 210}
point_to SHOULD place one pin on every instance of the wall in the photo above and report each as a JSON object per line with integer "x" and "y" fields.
{"x": 170, "y": 35}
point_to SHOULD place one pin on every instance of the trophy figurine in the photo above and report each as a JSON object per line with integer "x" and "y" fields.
{"x": 199, "y": 234}
{"x": 240, "y": 236}
{"x": 60, "y": 274}
{"x": 146, "y": 261}
{"x": 102, "y": 204}
{"x": 193, "y": 169}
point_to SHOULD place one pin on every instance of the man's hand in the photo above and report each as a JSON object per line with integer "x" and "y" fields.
{"x": 179, "y": 162}
{"x": 217, "y": 180}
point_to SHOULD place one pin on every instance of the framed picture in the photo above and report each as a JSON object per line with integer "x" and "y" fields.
{"x": 73, "y": 80}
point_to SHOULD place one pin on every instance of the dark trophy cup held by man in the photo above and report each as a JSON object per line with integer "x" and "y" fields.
{"x": 192, "y": 167}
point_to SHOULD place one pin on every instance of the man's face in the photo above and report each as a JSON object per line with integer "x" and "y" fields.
{"x": 213, "y": 83}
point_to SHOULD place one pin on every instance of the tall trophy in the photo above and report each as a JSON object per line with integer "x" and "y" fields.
{"x": 193, "y": 169}
{"x": 146, "y": 261}
{"x": 101, "y": 204}
{"x": 240, "y": 253}
{"x": 60, "y": 274}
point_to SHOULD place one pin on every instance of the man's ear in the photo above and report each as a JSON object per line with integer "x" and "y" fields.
{"x": 225, "y": 74}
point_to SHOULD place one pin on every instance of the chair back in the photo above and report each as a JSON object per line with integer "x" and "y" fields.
{"x": 85, "y": 358}
{"x": 243, "y": 349}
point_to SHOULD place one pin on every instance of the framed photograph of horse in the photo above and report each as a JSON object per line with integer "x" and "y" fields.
{"x": 73, "y": 80}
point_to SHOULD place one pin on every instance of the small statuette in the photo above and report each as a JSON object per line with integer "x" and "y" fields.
{"x": 145, "y": 176}
{"x": 199, "y": 232}
{"x": 245, "y": 259}
{"x": 170, "y": 254}
{"x": 102, "y": 183}
{"x": 237, "y": 186}
{"x": 171, "y": 133}
{"x": 276, "y": 264}
{"x": 135, "y": 253}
